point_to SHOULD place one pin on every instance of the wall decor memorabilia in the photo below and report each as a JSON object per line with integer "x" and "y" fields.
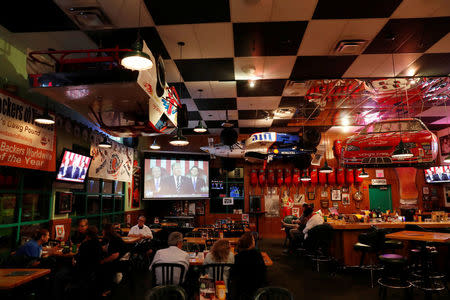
{"x": 110, "y": 164}
{"x": 299, "y": 199}
{"x": 324, "y": 194}
{"x": 444, "y": 141}
{"x": 324, "y": 204}
{"x": 64, "y": 202}
{"x": 345, "y": 199}
{"x": 228, "y": 201}
{"x": 336, "y": 195}
{"x": 336, "y": 204}
{"x": 311, "y": 195}
{"x": 272, "y": 205}
{"x": 23, "y": 143}
{"x": 296, "y": 212}
{"x": 345, "y": 189}
{"x": 425, "y": 190}
{"x": 379, "y": 173}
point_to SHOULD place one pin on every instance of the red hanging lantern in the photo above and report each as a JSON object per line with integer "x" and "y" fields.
{"x": 296, "y": 177}
{"x": 253, "y": 177}
{"x": 322, "y": 178}
{"x": 313, "y": 175}
{"x": 350, "y": 176}
{"x": 287, "y": 177}
{"x": 280, "y": 178}
{"x": 337, "y": 148}
{"x": 341, "y": 176}
{"x": 270, "y": 177}
{"x": 262, "y": 177}
{"x": 332, "y": 177}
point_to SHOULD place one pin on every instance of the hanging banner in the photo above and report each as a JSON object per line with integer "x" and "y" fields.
{"x": 113, "y": 163}
{"x": 24, "y": 144}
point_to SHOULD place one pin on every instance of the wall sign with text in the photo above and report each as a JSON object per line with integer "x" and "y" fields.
{"x": 24, "y": 144}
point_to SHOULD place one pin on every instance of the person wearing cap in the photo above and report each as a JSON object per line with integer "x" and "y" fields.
{"x": 141, "y": 230}
{"x": 174, "y": 255}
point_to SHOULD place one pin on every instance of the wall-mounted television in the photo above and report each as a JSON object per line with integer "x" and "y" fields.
{"x": 73, "y": 167}
{"x": 438, "y": 174}
{"x": 176, "y": 177}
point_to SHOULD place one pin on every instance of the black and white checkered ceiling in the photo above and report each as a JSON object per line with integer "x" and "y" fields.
{"x": 280, "y": 43}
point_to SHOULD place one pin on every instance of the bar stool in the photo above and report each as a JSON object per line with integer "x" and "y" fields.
{"x": 394, "y": 275}
{"x": 371, "y": 242}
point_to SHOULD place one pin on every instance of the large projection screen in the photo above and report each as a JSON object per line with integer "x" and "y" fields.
{"x": 173, "y": 178}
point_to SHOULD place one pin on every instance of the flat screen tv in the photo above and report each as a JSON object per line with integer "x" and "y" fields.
{"x": 176, "y": 178}
{"x": 73, "y": 167}
{"x": 438, "y": 174}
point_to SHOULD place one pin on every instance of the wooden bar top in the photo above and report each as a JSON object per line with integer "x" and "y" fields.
{"x": 423, "y": 236}
{"x": 11, "y": 278}
{"x": 339, "y": 225}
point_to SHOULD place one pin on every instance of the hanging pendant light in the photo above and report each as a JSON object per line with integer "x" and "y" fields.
{"x": 401, "y": 151}
{"x": 105, "y": 143}
{"x": 447, "y": 159}
{"x": 155, "y": 145}
{"x": 45, "y": 118}
{"x": 136, "y": 59}
{"x": 305, "y": 176}
{"x": 326, "y": 169}
{"x": 179, "y": 140}
{"x": 363, "y": 174}
{"x": 200, "y": 128}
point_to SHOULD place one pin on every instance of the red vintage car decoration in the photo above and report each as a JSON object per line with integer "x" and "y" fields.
{"x": 375, "y": 144}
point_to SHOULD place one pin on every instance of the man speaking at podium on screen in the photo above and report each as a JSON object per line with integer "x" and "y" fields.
{"x": 177, "y": 184}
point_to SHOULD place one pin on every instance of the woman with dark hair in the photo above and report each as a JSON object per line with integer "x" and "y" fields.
{"x": 220, "y": 253}
{"x": 115, "y": 248}
{"x": 249, "y": 271}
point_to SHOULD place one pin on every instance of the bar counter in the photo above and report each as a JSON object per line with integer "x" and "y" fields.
{"x": 346, "y": 235}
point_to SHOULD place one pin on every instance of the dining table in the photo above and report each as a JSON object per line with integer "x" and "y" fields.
{"x": 197, "y": 260}
{"x": 12, "y": 278}
{"x": 201, "y": 241}
{"x": 421, "y": 236}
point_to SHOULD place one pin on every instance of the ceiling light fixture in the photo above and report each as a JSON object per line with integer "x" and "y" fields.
{"x": 200, "y": 128}
{"x": 305, "y": 176}
{"x": 345, "y": 121}
{"x": 326, "y": 168}
{"x": 136, "y": 59}
{"x": 155, "y": 145}
{"x": 401, "y": 151}
{"x": 45, "y": 118}
{"x": 363, "y": 174}
{"x": 105, "y": 143}
{"x": 251, "y": 83}
{"x": 179, "y": 140}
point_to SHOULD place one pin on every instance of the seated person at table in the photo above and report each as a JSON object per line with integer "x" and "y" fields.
{"x": 114, "y": 248}
{"x": 314, "y": 220}
{"x": 31, "y": 251}
{"x": 173, "y": 254}
{"x": 80, "y": 234}
{"x": 296, "y": 232}
{"x": 141, "y": 230}
{"x": 220, "y": 253}
{"x": 249, "y": 271}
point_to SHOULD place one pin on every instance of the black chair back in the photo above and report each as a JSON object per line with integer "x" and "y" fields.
{"x": 273, "y": 293}
{"x": 320, "y": 238}
{"x": 217, "y": 270}
{"x": 209, "y": 243}
{"x": 171, "y": 292}
{"x": 375, "y": 238}
{"x": 168, "y": 274}
{"x": 414, "y": 227}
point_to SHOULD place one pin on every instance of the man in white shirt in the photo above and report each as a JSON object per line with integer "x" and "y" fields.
{"x": 141, "y": 230}
{"x": 173, "y": 254}
{"x": 314, "y": 220}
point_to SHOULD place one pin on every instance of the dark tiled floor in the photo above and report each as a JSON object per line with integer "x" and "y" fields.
{"x": 297, "y": 275}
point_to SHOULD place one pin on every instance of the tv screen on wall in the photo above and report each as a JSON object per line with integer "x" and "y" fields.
{"x": 438, "y": 174}
{"x": 74, "y": 167}
{"x": 174, "y": 178}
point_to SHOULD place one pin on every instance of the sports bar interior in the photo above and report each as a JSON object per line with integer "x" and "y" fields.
{"x": 226, "y": 149}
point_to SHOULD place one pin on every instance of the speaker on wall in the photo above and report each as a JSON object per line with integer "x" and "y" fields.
{"x": 255, "y": 203}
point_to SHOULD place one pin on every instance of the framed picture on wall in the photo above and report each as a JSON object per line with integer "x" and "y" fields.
{"x": 345, "y": 198}
{"x": 445, "y": 144}
{"x": 336, "y": 195}
{"x": 63, "y": 202}
{"x": 311, "y": 195}
{"x": 345, "y": 189}
{"x": 425, "y": 190}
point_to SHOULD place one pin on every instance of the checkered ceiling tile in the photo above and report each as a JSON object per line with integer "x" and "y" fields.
{"x": 279, "y": 44}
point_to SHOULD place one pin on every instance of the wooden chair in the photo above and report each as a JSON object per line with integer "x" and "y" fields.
{"x": 273, "y": 293}
{"x": 168, "y": 274}
{"x": 173, "y": 292}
